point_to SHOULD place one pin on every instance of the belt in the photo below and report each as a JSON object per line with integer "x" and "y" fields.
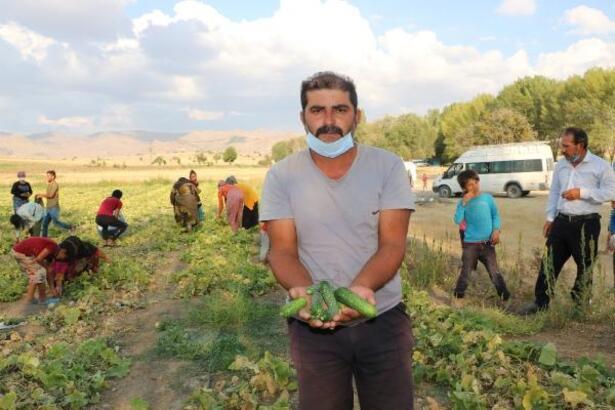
{"x": 578, "y": 218}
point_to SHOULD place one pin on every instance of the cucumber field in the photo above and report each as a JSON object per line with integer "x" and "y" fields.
{"x": 191, "y": 320}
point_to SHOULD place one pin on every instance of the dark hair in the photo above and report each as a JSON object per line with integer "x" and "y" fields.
{"x": 579, "y": 136}
{"x": 192, "y": 172}
{"x": 17, "y": 221}
{"x": 70, "y": 246}
{"x": 52, "y": 172}
{"x": 328, "y": 80}
{"x": 117, "y": 194}
{"x": 465, "y": 176}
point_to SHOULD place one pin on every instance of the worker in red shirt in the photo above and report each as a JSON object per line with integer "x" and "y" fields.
{"x": 34, "y": 256}
{"x": 108, "y": 216}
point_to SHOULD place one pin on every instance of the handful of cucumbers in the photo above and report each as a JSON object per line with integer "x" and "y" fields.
{"x": 326, "y": 303}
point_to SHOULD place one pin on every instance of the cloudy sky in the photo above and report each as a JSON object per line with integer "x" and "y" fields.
{"x": 90, "y": 65}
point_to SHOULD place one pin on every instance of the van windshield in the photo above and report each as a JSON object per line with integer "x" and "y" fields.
{"x": 453, "y": 171}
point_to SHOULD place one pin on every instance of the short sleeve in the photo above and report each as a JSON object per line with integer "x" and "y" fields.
{"x": 397, "y": 193}
{"x": 275, "y": 202}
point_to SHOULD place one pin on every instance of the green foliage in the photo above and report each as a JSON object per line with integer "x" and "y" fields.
{"x": 12, "y": 282}
{"x": 282, "y": 149}
{"x": 159, "y": 161}
{"x": 502, "y": 126}
{"x": 264, "y": 384}
{"x": 200, "y": 158}
{"x": 531, "y": 108}
{"x": 66, "y": 376}
{"x": 229, "y": 155}
{"x": 484, "y": 371}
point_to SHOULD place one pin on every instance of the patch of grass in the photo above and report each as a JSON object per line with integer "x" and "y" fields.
{"x": 499, "y": 321}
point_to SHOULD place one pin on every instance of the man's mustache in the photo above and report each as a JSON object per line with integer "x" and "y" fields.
{"x": 329, "y": 129}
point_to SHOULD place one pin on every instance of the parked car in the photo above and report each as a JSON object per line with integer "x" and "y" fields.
{"x": 514, "y": 169}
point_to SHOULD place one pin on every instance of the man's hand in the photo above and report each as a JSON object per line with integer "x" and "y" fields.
{"x": 546, "y": 229}
{"x": 347, "y": 314}
{"x": 304, "y": 314}
{"x": 572, "y": 194}
{"x": 495, "y": 237}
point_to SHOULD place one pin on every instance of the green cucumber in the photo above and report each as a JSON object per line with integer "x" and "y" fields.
{"x": 293, "y": 307}
{"x": 327, "y": 294}
{"x": 356, "y": 302}
{"x": 318, "y": 306}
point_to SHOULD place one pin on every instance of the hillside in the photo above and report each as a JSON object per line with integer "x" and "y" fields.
{"x": 134, "y": 143}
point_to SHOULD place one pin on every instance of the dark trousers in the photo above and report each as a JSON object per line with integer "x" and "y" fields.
{"x": 106, "y": 221}
{"x": 578, "y": 239}
{"x": 250, "y": 217}
{"x": 377, "y": 353}
{"x": 485, "y": 253}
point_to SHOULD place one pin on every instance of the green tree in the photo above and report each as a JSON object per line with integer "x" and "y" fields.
{"x": 503, "y": 126}
{"x": 229, "y": 155}
{"x": 409, "y": 136}
{"x": 457, "y": 125}
{"x": 200, "y": 158}
{"x": 217, "y": 157}
{"x": 538, "y": 99}
{"x": 159, "y": 161}
{"x": 282, "y": 149}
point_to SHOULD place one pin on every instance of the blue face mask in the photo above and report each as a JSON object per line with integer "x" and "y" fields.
{"x": 330, "y": 149}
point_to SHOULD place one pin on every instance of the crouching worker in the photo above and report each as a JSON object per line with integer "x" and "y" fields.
{"x": 28, "y": 219}
{"x": 185, "y": 200}
{"x": 75, "y": 257}
{"x": 108, "y": 216}
{"x": 34, "y": 256}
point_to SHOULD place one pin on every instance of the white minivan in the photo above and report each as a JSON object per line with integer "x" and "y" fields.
{"x": 514, "y": 169}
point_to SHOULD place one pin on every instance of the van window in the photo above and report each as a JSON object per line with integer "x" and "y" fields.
{"x": 527, "y": 165}
{"x": 550, "y": 164}
{"x": 523, "y": 165}
{"x": 479, "y": 167}
{"x": 453, "y": 170}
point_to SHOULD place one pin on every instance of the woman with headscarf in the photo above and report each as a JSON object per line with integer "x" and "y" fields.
{"x": 232, "y": 197}
{"x": 185, "y": 200}
{"x": 249, "y": 216}
{"x": 195, "y": 181}
{"x": 78, "y": 256}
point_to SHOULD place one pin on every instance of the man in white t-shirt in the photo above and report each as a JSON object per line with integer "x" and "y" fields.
{"x": 339, "y": 211}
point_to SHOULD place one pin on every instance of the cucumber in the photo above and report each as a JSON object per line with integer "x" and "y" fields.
{"x": 293, "y": 307}
{"x": 327, "y": 294}
{"x": 356, "y": 302}
{"x": 318, "y": 310}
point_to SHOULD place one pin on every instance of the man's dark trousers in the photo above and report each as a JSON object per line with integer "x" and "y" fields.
{"x": 378, "y": 353}
{"x": 569, "y": 236}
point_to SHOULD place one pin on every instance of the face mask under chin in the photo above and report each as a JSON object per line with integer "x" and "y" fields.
{"x": 330, "y": 149}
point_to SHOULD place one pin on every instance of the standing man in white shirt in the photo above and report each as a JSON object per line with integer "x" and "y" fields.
{"x": 582, "y": 182}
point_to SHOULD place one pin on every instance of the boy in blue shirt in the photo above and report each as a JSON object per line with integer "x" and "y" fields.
{"x": 482, "y": 233}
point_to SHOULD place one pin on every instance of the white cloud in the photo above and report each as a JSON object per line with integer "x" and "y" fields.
{"x": 201, "y": 115}
{"x": 517, "y": 7}
{"x": 70, "y": 20}
{"x": 68, "y": 122}
{"x": 193, "y": 66}
{"x": 577, "y": 58}
{"x": 27, "y": 42}
{"x": 588, "y": 21}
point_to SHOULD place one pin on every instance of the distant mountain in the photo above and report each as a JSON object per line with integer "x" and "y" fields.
{"x": 113, "y": 144}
